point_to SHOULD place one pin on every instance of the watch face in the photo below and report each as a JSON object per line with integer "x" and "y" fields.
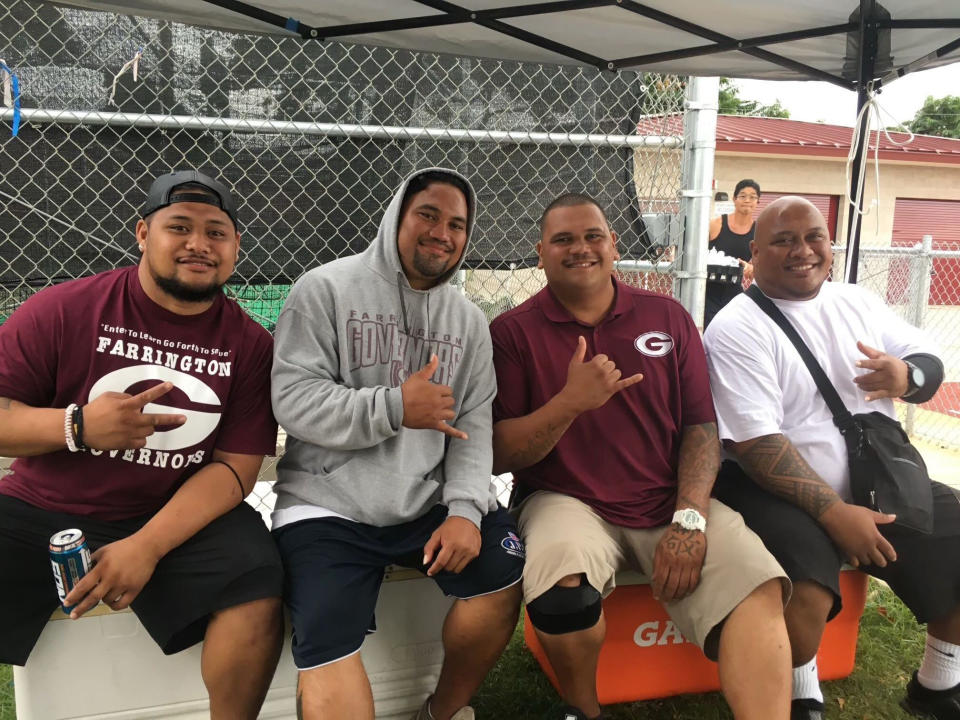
{"x": 917, "y": 376}
{"x": 688, "y": 519}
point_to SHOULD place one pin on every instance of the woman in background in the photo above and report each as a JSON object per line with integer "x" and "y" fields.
{"x": 732, "y": 234}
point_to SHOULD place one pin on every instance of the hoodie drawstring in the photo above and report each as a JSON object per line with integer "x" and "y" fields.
{"x": 403, "y": 312}
{"x": 403, "y": 305}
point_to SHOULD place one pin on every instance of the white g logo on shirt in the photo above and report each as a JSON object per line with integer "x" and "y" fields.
{"x": 654, "y": 344}
{"x": 198, "y": 425}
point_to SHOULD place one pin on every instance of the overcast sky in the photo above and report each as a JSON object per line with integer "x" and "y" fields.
{"x": 820, "y": 101}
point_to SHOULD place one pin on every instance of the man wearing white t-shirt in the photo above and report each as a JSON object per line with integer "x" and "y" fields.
{"x": 787, "y": 470}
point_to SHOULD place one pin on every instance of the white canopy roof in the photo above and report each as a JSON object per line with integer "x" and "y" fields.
{"x": 767, "y": 39}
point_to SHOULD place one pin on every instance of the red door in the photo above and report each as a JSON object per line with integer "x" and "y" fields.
{"x": 912, "y": 219}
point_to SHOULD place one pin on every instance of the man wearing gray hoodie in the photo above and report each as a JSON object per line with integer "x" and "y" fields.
{"x": 383, "y": 379}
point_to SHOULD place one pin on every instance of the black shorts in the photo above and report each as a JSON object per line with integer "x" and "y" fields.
{"x": 231, "y": 561}
{"x": 926, "y": 574}
{"x": 334, "y": 569}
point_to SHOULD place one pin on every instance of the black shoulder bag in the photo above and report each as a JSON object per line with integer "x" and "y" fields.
{"x": 887, "y": 473}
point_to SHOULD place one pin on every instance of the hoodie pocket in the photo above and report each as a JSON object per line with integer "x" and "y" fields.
{"x": 377, "y": 495}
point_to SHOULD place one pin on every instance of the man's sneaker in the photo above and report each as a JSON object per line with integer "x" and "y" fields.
{"x": 806, "y": 709}
{"x": 569, "y": 712}
{"x": 464, "y": 713}
{"x": 933, "y": 704}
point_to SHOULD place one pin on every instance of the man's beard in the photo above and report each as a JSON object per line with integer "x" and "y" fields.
{"x": 179, "y": 291}
{"x": 431, "y": 266}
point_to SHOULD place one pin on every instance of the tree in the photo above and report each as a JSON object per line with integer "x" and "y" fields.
{"x": 938, "y": 116}
{"x": 732, "y": 104}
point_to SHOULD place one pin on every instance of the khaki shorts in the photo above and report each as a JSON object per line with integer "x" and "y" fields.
{"x": 564, "y": 536}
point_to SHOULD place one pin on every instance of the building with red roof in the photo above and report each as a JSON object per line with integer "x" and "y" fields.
{"x": 919, "y": 188}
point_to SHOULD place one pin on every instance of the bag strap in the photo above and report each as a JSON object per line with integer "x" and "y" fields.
{"x": 841, "y": 416}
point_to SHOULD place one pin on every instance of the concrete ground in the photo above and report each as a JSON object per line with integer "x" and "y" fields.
{"x": 943, "y": 462}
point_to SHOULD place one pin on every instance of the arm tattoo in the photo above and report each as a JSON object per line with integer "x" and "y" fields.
{"x": 698, "y": 466}
{"x": 539, "y": 444}
{"x": 776, "y": 465}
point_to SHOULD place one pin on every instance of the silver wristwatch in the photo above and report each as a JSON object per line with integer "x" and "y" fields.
{"x": 915, "y": 379}
{"x": 690, "y": 519}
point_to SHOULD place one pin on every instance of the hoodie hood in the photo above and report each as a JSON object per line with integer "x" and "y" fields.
{"x": 382, "y": 253}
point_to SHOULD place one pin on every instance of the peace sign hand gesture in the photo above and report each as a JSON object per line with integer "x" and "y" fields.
{"x": 116, "y": 421}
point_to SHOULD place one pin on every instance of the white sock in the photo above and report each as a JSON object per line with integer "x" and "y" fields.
{"x": 940, "y": 669}
{"x": 806, "y": 682}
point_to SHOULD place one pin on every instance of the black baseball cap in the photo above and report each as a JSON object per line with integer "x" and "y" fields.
{"x": 164, "y": 191}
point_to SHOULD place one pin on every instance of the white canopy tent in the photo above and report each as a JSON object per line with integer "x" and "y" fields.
{"x": 797, "y": 40}
{"x": 856, "y": 44}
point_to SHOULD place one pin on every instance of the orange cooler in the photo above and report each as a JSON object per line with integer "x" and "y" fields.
{"x": 645, "y": 656}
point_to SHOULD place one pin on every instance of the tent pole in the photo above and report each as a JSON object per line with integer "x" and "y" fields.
{"x": 699, "y": 144}
{"x": 868, "y": 44}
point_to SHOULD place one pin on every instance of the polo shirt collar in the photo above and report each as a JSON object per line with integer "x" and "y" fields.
{"x": 556, "y": 312}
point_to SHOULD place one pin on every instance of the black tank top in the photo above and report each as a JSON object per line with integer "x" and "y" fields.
{"x": 734, "y": 245}
{"x": 731, "y": 243}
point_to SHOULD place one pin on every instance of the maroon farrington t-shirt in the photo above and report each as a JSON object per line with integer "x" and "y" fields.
{"x": 73, "y": 342}
{"x": 622, "y": 458}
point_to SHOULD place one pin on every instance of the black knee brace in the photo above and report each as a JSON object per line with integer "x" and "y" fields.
{"x": 565, "y": 609}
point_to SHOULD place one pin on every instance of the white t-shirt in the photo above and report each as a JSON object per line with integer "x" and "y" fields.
{"x": 761, "y": 386}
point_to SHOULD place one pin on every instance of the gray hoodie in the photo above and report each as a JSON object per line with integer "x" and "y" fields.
{"x": 349, "y": 334}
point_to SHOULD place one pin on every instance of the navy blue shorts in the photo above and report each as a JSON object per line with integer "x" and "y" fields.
{"x": 334, "y": 568}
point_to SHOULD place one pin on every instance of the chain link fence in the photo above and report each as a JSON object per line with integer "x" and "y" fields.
{"x": 921, "y": 285}
{"x": 314, "y": 138}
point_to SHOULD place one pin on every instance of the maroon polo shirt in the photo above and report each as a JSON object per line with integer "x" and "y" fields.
{"x": 622, "y": 458}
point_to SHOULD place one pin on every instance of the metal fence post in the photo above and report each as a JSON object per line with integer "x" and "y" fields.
{"x": 700, "y": 140}
{"x": 921, "y": 267}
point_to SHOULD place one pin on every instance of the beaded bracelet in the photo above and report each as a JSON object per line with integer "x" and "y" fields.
{"x": 68, "y": 428}
{"x": 78, "y": 428}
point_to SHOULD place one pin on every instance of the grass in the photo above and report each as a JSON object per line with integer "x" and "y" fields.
{"x": 889, "y": 649}
{"x": 7, "y": 709}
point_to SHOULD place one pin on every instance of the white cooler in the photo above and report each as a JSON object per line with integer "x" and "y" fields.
{"x": 106, "y": 666}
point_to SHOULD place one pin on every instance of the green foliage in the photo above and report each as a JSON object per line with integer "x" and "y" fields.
{"x": 731, "y": 103}
{"x": 496, "y": 306}
{"x": 938, "y": 116}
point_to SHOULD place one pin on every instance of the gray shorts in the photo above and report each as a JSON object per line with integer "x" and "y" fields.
{"x": 564, "y": 536}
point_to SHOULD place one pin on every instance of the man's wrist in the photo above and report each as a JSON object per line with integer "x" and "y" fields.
{"x": 151, "y": 546}
{"x": 466, "y": 510}
{"x": 829, "y": 513}
{"x": 915, "y": 379}
{"x": 567, "y": 406}
{"x": 690, "y": 519}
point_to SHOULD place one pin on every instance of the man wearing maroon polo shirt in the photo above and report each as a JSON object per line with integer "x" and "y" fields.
{"x": 605, "y": 418}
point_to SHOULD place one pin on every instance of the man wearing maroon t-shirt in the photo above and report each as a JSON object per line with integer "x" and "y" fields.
{"x": 137, "y": 402}
{"x": 604, "y": 416}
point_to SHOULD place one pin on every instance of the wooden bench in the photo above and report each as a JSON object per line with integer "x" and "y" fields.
{"x": 644, "y": 655}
